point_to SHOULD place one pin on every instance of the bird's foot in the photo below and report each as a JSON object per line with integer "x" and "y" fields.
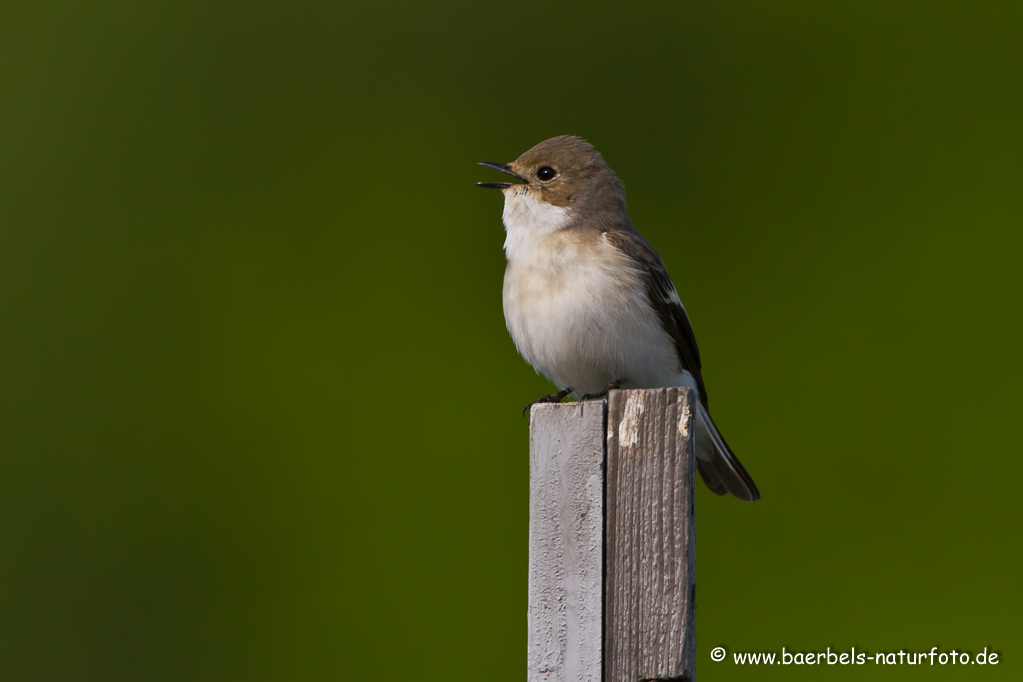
{"x": 603, "y": 394}
{"x": 549, "y": 398}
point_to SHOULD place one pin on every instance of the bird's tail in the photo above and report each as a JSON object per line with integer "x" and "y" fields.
{"x": 720, "y": 469}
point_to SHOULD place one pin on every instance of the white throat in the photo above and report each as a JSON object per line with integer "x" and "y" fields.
{"x": 527, "y": 220}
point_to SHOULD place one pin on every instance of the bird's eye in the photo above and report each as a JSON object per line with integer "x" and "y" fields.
{"x": 546, "y": 173}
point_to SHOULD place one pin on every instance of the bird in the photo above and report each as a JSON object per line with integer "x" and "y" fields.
{"x": 587, "y": 299}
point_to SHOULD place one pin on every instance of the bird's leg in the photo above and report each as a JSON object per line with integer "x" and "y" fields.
{"x": 549, "y": 398}
{"x": 607, "y": 389}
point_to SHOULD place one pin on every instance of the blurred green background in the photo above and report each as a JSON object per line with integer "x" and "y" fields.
{"x": 259, "y": 414}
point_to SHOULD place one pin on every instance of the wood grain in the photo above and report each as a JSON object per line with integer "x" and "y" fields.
{"x": 651, "y": 537}
{"x": 566, "y": 543}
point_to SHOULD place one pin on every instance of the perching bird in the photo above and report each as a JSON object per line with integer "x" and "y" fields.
{"x": 587, "y": 300}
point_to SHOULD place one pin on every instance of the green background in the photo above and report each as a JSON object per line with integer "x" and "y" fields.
{"x": 259, "y": 414}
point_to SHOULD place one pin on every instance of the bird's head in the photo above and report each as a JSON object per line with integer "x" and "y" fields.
{"x": 564, "y": 171}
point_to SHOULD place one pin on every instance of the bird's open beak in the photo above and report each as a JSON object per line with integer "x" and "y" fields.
{"x": 503, "y": 167}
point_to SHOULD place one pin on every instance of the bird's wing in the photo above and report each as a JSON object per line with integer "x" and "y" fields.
{"x": 664, "y": 299}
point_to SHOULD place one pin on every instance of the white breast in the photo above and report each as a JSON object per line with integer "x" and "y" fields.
{"x": 527, "y": 221}
{"x": 573, "y": 305}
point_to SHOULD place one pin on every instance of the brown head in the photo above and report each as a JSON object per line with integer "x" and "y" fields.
{"x": 567, "y": 172}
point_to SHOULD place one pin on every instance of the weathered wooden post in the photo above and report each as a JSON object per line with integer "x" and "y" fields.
{"x": 612, "y": 549}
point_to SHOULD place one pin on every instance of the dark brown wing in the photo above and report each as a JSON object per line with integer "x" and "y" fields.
{"x": 664, "y": 299}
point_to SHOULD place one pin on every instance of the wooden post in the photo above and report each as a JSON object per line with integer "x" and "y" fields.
{"x": 566, "y": 541}
{"x": 650, "y": 555}
{"x": 612, "y": 535}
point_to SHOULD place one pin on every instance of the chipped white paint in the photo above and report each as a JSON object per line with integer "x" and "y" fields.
{"x": 683, "y": 414}
{"x": 628, "y": 430}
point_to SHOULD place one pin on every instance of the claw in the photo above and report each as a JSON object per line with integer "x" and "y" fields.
{"x": 603, "y": 394}
{"x": 549, "y": 398}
